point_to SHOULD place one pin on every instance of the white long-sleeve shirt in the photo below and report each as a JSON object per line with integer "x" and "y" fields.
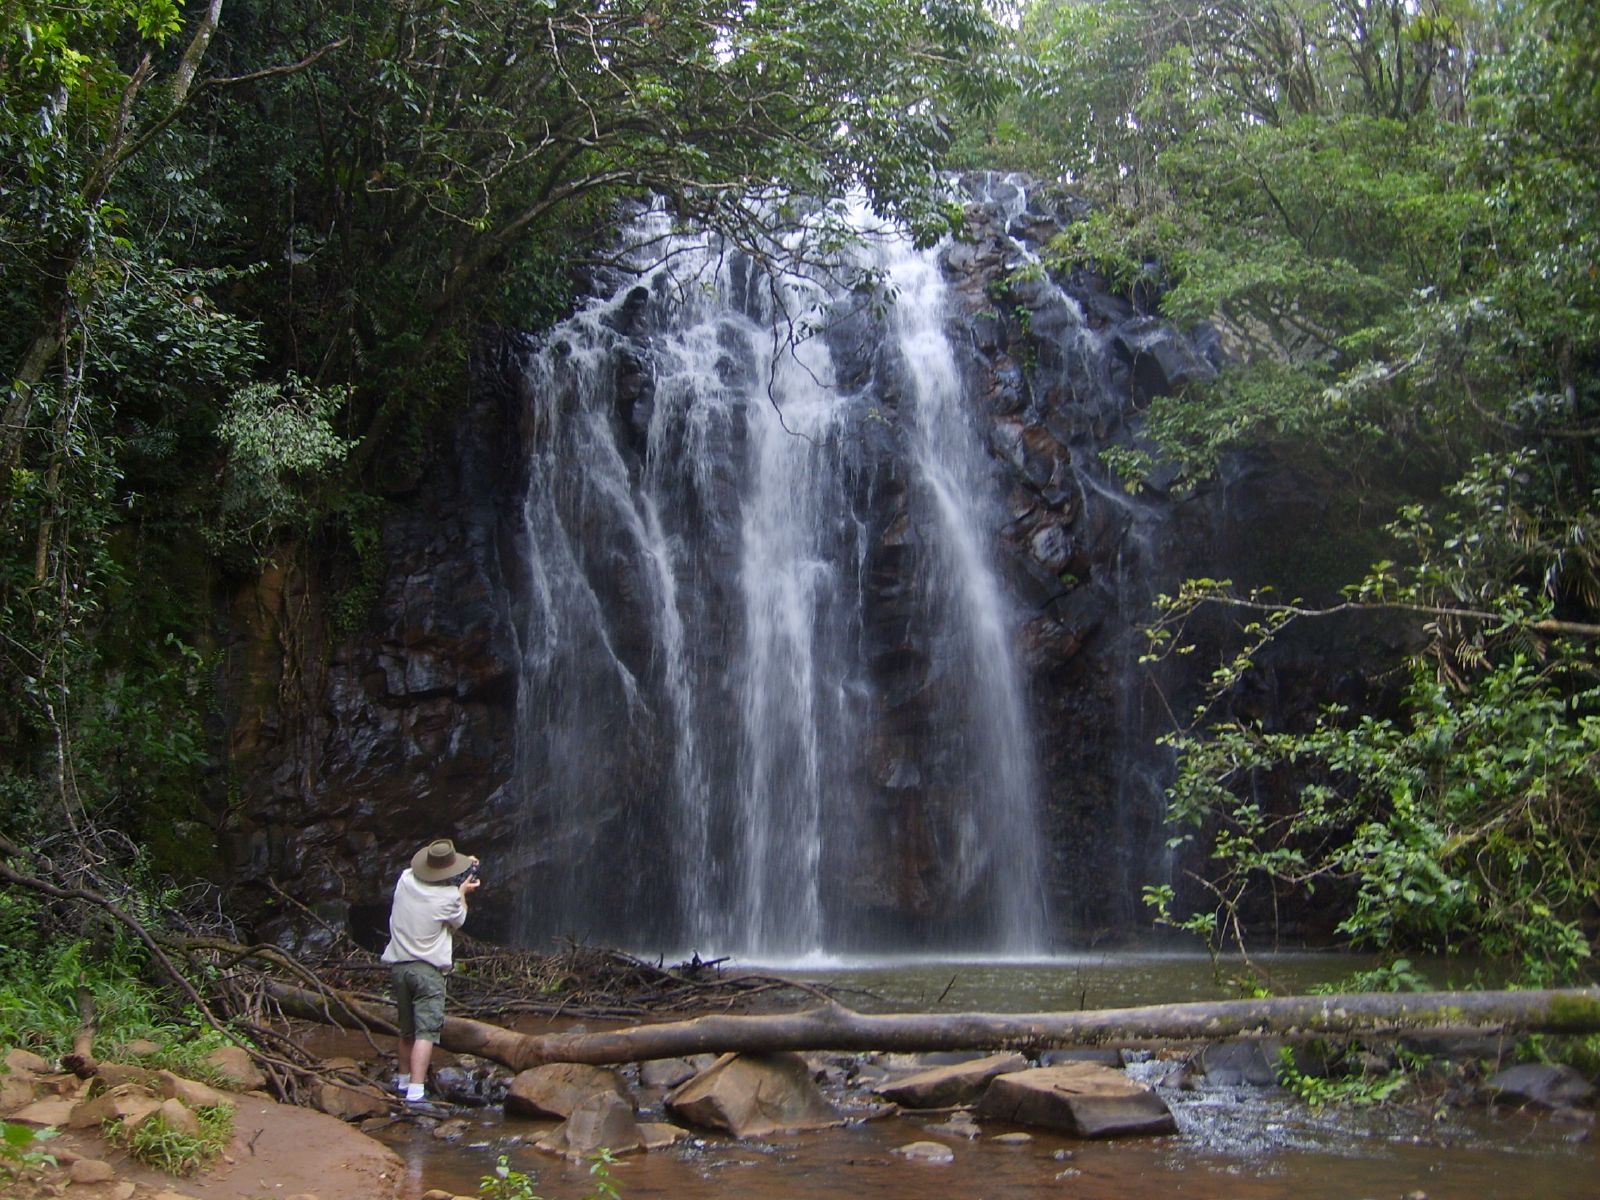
{"x": 423, "y": 920}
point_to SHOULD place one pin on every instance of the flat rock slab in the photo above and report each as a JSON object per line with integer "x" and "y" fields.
{"x": 55, "y": 1111}
{"x": 1082, "y": 1099}
{"x": 957, "y": 1083}
{"x": 751, "y": 1095}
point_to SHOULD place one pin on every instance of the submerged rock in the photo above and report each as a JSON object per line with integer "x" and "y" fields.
{"x": 1540, "y": 1085}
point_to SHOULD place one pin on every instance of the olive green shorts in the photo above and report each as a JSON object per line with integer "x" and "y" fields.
{"x": 419, "y": 995}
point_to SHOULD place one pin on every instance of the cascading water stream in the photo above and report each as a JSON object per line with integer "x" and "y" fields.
{"x": 770, "y": 701}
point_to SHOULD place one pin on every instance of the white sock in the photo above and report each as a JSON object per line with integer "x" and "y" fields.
{"x": 413, "y": 1091}
{"x": 402, "y": 1082}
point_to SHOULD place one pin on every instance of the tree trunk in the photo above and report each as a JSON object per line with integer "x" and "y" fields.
{"x": 833, "y": 1027}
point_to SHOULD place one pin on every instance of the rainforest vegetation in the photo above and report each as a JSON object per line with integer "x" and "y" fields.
{"x": 247, "y": 248}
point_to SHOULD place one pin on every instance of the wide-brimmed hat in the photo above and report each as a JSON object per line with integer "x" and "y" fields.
{"x": 438, "y": 860}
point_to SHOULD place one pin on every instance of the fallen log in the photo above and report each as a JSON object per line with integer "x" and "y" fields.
{"x": 80, "y": 1060}
{"x": 834, "y": 1027}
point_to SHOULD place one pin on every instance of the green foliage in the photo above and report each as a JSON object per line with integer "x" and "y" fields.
{"x": 1396, "y": 976}
{"x": 40, "y": 972}
{"x": 506, "y": 1183}
{"x": 1389, "y": 210}
{"x": 275, "y": 434}
{"x": 20, "y": 1149}
{"x": 1472, "y": 821}
{"x": 1347, "y": 1091}
{"x": 157, "y": 1144}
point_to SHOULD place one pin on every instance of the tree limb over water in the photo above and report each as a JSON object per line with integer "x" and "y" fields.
{"x": 834, "y": 1027}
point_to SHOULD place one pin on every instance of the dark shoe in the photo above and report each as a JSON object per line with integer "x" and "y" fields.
{"x": 426, "y": 1108}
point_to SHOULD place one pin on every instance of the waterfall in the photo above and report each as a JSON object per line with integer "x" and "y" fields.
{"x": 770, "y": 701}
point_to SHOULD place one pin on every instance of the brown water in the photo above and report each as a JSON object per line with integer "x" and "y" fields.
{"x": 1232, "y": 1144}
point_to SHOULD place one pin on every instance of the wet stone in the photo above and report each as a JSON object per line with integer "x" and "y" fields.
{"x": 927, "y": 1152}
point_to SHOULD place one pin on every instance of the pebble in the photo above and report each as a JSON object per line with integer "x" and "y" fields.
{"x": 90, "y": 1170}
{"x": 1012, "y": 1139}
{"x": 928, "y": 1152}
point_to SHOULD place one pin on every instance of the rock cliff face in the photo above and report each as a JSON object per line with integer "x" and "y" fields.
{"x": 348, "y": 752}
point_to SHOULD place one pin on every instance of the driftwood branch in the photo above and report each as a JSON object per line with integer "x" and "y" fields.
{"x": 834, "y": 1027}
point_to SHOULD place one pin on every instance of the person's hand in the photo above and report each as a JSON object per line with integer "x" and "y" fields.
{"x": 471, "y": 885}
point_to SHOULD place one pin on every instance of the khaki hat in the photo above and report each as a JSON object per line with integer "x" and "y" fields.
{"x": 438, "y": 860}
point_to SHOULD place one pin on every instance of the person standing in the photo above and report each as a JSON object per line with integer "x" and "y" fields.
{"x": 430, "y": 903}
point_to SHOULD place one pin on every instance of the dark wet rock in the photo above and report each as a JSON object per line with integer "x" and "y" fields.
{"x": 666, "y": 1072}
{"x": 1230, "y": 1064}
{"x": 1082, "y": 1099}
{"x": 958, "y": 1083}
{"x": 750, "y": 1095}
{"x": 1163, "y": 359}
{"x": 1104, "y": 1058}
{"x": 475, "y": 1086}
{"x": 1540, "y": 1085}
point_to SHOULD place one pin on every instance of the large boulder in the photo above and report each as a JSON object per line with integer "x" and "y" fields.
{"x": 957, "y": 1083}
{"x": 750, "y": 1095}
{"x": 1083, "y": 1099}
{"x": 557, "y": 1089}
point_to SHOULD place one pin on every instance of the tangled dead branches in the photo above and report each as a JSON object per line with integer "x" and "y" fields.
{"x": 195, "y": 955}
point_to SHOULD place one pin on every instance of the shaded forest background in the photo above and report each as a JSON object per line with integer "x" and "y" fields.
{"x": 246, "y": 251}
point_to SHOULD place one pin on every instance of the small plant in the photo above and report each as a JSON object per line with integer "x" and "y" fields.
{"x": 600, "y": 1172}
{"x": 506, "y": 1183}
{"x": 157, "y": 1144}
{"x": 1355, "y": 1091}
{"x": 19, "y": 1149}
